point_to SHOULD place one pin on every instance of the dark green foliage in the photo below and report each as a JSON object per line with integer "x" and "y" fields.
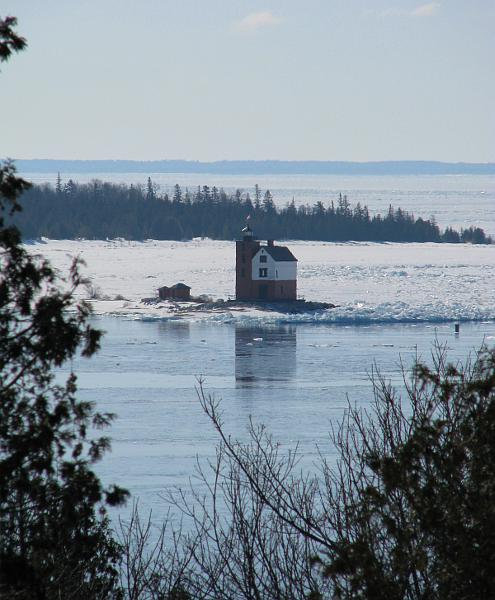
{"x": 10, "y": 41}
{"x": 100, "y": 210}
{"x": 452, "y": 236}
{"x": 473, "y": 235}
{"x": 54, "y": 535}
{"x": 408, "y": 511}
{"x": 178, "y": 593}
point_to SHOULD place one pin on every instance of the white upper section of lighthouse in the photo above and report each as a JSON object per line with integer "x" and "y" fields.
{"x": 265, "y": 267}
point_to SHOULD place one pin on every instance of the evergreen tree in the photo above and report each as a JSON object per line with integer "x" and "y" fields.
{"x": 54, "y": 535}
{"x": 206, "y": 196}
{"x": 70, "y": 188}
{"x": 198, "y": 195}
{"x": 101, "y": 210}
{"x": 214, "y": 195}
{"x": 257, "y": 197}
{"x": 150, "y": 191}
{"x": 474, "y": 235}
{"x": 177, "y": 197}
{"x": 268, "y": 205}
{"x": 58, "y": 185}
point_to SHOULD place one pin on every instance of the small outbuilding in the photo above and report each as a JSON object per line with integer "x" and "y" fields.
{"x": 179, "y": 291}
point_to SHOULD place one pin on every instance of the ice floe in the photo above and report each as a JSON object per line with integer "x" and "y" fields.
{"x": 370, "y": 282}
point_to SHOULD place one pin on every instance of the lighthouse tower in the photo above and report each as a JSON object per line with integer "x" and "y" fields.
{"x": 264, "y": 272}
{"x": 245, "y": 249}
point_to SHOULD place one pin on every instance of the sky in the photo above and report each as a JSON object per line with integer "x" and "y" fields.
{"x": 246, "y": 79}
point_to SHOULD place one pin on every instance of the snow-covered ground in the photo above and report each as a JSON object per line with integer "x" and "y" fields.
{"x": 369, "y": 282}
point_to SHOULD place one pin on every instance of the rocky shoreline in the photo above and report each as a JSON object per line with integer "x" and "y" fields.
{"x": 286, "y": 306}
{"x": 200, "y": 304}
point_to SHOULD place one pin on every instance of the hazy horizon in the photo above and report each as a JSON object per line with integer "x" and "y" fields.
{"x": 340, "y": 81}
{"x": 255, "y": 167}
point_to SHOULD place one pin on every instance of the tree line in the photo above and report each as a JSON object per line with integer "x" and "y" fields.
{"x": 100, "y": 210}
{"x": 405, "y": 512}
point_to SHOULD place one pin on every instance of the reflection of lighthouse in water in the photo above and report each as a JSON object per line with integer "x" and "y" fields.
{"x": 264, "y": 354}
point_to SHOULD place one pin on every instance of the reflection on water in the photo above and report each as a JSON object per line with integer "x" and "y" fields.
{"x": 176, "y": 330}
{"x": 264, "y": 354}
{"x": 145, "y": 373}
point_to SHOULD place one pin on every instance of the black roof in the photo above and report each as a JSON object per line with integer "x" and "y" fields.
{"x": 280, "y": 253}
{"x": 180, "y": 286}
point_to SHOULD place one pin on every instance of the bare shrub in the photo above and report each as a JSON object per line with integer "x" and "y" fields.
{"x": 405, "y": 512}
{"x": 93, "y": 291}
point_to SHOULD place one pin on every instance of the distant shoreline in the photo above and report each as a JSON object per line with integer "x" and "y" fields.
{"x": 104, "y": 210}
{"x": 258, "y": 167}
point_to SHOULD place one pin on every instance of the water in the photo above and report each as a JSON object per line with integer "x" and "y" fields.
{"x": 455, "y": 200}
{"x": 296, "y": 379}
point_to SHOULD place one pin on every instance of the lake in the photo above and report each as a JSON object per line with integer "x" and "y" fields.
{"x": 296, "y": 379}
{"x": 295, "y": 375}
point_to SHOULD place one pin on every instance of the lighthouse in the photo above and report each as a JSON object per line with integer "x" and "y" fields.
{"x": 264, "y": 271}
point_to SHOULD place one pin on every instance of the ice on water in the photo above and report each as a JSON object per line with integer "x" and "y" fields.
{"x": 370, "y": 282}
{"x": 293, "y": 377}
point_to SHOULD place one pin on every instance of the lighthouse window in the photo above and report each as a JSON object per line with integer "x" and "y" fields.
{"x": 263, "y": 272}
{"x": 243, "y": 258}
{"x": 243, "y": 272}
{"x": 263, "y": 258}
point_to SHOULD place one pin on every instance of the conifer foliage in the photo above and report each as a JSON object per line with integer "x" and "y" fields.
{"x": 100, "y": 210}
{"x": 406, "y": 511}
{"x": 54, "y": 535}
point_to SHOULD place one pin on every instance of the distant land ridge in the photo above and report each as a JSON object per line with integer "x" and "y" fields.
{"x": 256, "y": 167}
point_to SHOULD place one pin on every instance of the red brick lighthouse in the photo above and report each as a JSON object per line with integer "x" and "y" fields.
{"x": 264, "y": 272}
